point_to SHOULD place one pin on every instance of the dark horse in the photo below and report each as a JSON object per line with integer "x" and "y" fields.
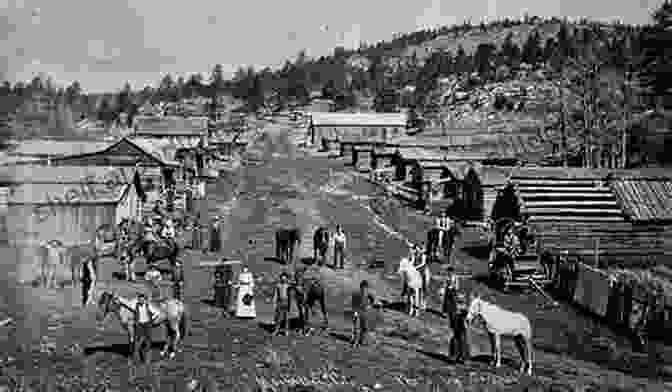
{"x": 286, "y": 241}
{"x": 308, "y": 290}
{"x": 433, "y": 245}
{"x": 501, "y": 266}
{"x": 321, "y": 245}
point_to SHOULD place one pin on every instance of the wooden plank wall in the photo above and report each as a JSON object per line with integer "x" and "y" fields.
{"x": 619, "y": 242}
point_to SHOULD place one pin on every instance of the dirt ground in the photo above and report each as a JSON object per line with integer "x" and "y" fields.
{"x": 54, "y": 341}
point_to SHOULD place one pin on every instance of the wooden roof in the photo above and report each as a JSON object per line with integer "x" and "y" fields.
{"x": 645, "y": 200}
{"x": 358, "y": 119}
{"x": 125, "y": 152}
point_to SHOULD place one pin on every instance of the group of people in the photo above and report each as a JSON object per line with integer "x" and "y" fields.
{"x": 363, "y": 302}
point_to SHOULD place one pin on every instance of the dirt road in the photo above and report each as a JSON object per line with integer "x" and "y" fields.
{"x": 282, "y": 186}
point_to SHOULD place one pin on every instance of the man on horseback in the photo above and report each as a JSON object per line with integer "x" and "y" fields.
{"x": 143, "y": 328}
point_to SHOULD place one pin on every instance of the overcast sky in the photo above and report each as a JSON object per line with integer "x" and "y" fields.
{"x": 105, "y": 43}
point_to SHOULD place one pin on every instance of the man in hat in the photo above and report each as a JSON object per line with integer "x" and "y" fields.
{"x": 281, "y": 302}
{"x": 88, "y": 279}
{"x": 444, "y": 224}
{"x": 339, "y": 247}
{"x": 143, "y": 328}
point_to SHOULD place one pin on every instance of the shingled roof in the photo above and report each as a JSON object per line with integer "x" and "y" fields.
{"x": 29, "y": 184}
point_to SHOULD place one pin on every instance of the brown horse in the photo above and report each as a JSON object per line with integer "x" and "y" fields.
{"x": 154, "y": 250}
{"x": 321, "y": 245}
{"x": 77, "y": 255}
{"x": 286, "y": 241}
{"x": 309, "y": 290}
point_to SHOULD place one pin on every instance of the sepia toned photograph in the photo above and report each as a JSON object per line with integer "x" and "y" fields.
{"x": 315, "y": 196}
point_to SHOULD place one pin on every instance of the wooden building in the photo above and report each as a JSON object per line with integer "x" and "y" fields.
{"x": 179, "y": 131}
{"x": 319, "y": 105}
{"x": 159, "y": 172}
{"x": 605, "y": 216}
{"x": 226, "y": 145}
{"x": 372, "y": 126}
{"x": 42, "y": 203}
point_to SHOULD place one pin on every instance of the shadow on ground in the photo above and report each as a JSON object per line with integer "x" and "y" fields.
{"x": 122, "y": 349}
{"x": 481, "y": 252}
{"x": 294, "y": 324}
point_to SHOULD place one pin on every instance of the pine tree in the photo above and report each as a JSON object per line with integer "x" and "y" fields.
{"x": 656, "y": 63}
{"x": 482, "y": 59}
{"x": 217, "y": 82}
{"x": 532, "y": 49}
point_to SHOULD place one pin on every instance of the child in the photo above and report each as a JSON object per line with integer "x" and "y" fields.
{"x": 362, "y": 302}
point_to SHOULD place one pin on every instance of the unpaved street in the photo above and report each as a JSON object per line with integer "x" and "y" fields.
{"x": 282, "y": 186}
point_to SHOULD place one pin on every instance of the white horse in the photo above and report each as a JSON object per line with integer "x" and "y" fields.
{"x": 415, "y": 285}
{"x": 501, "y": 322}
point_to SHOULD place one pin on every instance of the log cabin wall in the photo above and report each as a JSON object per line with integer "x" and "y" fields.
{"x": 590, "y": 216}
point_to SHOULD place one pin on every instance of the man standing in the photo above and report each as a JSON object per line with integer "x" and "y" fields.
{"x": 362, "y": 303}
{"x": 281, "y": 304}
{"x": 143, "y": 328}
{"x": 339, "y": 248}
{"x": 453, "y": 308}
{"x": 88, "y": 279}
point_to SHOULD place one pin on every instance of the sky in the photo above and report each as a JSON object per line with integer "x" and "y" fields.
{"x": 105, "y": 43}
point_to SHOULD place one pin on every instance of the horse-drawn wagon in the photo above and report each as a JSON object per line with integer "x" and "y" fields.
{"x": 513, "y": 254}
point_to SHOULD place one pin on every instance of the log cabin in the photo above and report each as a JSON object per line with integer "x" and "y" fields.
{"x": 607, "y": 216}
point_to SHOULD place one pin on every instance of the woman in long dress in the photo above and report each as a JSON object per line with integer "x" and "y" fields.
{"x": 245, "y": 299}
